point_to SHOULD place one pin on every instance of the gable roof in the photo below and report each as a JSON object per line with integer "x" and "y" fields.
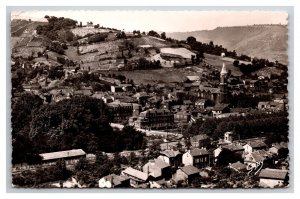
{"x": 257, "y": 144}
{"x": 197, "y": 138}
{"x": 115, "y": 179}
{"x": 233, "y": 147}
{"x": 273, "y": 174}
{"x": 190, "y": 170}
{"x": 62, "y": 154}
{"x": 260, "y": 155}
{"x": 198, "y": 152}
{"x": 238, "y": 166}
{"x": 136, "y": 173}
{"x": 170, "y": 153}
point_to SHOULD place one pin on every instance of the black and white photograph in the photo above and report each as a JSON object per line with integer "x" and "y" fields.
{"x": 149, "y": 99}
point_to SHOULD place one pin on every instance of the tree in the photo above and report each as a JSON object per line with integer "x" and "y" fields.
{"x": 153, "y": 33}
{"x": 236, "y": 63}
{"x": 191, "y": 40}
{"x": 163, "y": 35}
{"x": 187, "y": 143}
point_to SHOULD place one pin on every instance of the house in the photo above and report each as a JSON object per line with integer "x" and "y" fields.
{"x": 196, "y": 157}
{"x": 238, "y": 166}
{"x": 114, "y": 181}
{"x": 199, "y": 141}
{"x": 220, "y": 109}
{"x": 173, "y": 158}
{"x": 258, "y": 157}
{"x": 157, "y": 169}
{"x": 158, "y": 184}
{"x": 271, "y": 178}
{"x": 70, "y": 156}
{"x": 155, "y": 119}
{"x": 201, "y": 103}
{"x": 193, "y": 78}
{"x": 225, "y": 115}
{"x": 232, "y": 148}
{"x": 116, "y": 89}
{"x": 186, "y": 174}
{"x": 182, "y": 116}
{"x": 136, "y": 177}
{"x": 169, "y": 145}
{"x": 271, "y": 106}
{"x": 276, "y": 147}
{"x": 254, "y": 145}
{"x": 121, "y": 111}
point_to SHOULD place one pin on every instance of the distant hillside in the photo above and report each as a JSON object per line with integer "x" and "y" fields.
{"x": 262, "y": 41}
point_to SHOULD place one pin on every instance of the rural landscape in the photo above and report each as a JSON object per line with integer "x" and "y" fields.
{"x": 105, "y": 107}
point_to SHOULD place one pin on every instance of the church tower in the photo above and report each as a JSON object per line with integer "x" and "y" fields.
{"x": 223, "y": 85}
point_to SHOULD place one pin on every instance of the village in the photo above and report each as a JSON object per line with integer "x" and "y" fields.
{"x": 197, "y": 117}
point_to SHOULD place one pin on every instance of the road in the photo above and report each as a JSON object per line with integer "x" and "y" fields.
{"x": 149, "y": 132}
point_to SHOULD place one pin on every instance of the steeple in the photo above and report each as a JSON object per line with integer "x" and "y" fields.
{"x": 223, "y": 85}
{"x": 224, "y": 70}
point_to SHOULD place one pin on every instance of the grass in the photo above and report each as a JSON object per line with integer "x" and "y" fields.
{"x": 84, "y": 31}
{"x": 217, "y": 63}
{"x": 183, "y": 52}
{"x": 164, "y": 75}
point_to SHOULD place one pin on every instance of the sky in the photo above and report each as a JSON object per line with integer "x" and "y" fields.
{"x": 167, "y": 21}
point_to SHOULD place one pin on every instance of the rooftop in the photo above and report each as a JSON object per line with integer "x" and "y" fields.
{"x": 273, "y": 174}
{"x": 198, "y": 152}
{"x": 170, "y": 153}
{"x": 62, "y": 154}
{"x": 136, "y": 173}
{"x": 190, "y": 170}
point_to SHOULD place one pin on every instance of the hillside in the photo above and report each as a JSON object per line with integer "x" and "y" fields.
{"x": 262, "y": 41}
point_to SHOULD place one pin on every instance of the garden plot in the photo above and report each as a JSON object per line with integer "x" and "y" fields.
{"x": 82, "y": 31}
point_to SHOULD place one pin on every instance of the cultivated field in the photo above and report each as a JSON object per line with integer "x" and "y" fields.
{"x": 157, "y": 76}
{"x": 87, "y": 30}
{"x": 25, "y": 52}
{"x": 146, "y": 40}
{"x": 217, "y": 63}
{"x": 183, "y": 52}
{"x": 100, "y": 47}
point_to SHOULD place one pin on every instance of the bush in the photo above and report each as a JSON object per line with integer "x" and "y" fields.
{"x": 97, "y": 37}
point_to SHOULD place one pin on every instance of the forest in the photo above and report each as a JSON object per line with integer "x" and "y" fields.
{"x": 81, "y": 122}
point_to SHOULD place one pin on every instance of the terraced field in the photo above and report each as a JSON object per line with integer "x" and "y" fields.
{"x": 84, "y": 31}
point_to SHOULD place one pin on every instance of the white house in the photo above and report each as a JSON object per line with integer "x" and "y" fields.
{"x": 196, "y": 157}
{"x": 113, "y": 180}
{"x": 253, "y": 146}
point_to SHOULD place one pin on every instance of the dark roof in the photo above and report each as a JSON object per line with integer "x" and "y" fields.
{"x": 273, "y": 174}
{"x": 233, "y": 147}
{"x": 198, "y": 152}
{"x": 115, "y": 179}
{"x": 238, "y": 166}
{"x": 197, "y": 138}
{"x": 220, "y": 107}
{"x": 260, "y": 155}
{"x": 170, "y": 153}
{"x": 257, "y": 144}
{"x": 190, "y": 170}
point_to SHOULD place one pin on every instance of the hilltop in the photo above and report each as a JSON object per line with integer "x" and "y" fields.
{"x": 262, "y": 41}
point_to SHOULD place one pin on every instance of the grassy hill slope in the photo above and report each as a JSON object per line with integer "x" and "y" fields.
{"x": 262, "y": 41}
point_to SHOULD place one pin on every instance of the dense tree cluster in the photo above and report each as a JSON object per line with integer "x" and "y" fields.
{"x": 143, "y": 64}
{"x": 273, "y": 126}
{"x": 153, "y": 34}
{"x": 81, "y": 122}
{"x": 35, "y": 178}
{"x": 255, "y": 65}
{"x": 54, "y": 24}
{"x": 97, "y": 37}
